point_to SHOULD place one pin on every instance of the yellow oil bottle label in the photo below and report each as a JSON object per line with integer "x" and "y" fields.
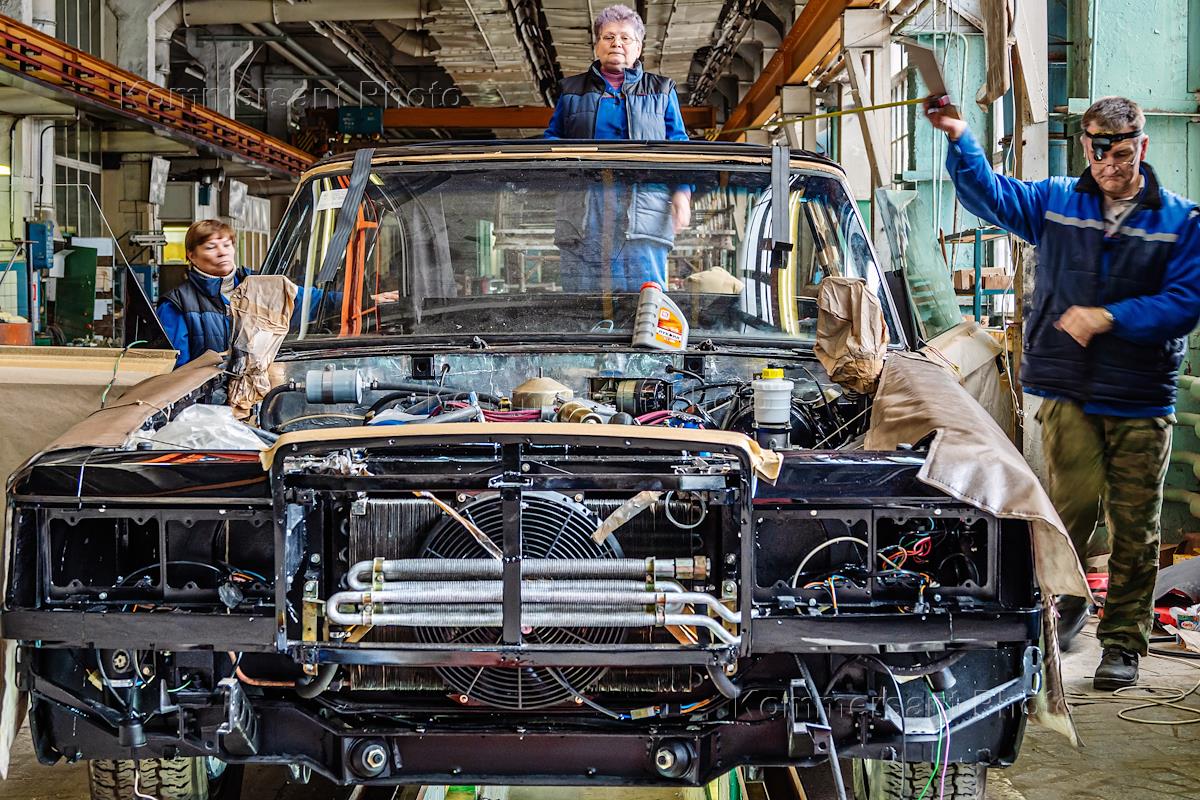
{"x": 669, "y": 329}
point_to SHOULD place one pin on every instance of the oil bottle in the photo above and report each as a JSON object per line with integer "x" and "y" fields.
{"x": 659, "y": 324}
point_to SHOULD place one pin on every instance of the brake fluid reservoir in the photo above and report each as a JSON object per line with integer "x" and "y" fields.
{"x": 772, "y": 398}
{"x": 660, "y": 323}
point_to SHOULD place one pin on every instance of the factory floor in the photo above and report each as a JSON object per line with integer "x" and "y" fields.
{"x": 1120, "y": 760}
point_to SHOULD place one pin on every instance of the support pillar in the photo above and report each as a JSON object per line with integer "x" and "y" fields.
{"x": 221, "y": 60}
{"x": 143, "y": 44}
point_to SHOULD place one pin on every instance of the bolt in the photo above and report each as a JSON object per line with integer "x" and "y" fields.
{"x": 315, "y": 558}
{"x": 375, "y": 757}
{"x": 120, "y": 660}
{"x": 462, "y": 698}
{"x": 310, "y": 586}
{"x": 664, "y": 759}
{"x": 728, "y": 587}
{"x": 147, "y": 671}
{"x": 579, "y": 498}
{"x": 731, "y": 559}
{"x": 104, "y": 595}
{"x": 462, "y": 497}
{"x": 525, "y": 467}
{"x": 578, "y": 701}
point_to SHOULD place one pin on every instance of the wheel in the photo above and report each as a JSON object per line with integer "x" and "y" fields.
{"x": 164, "y": 779}
{"x": 895, "y": 780}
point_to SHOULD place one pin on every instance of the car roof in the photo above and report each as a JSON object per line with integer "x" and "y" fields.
{"x": 702, "y": 149}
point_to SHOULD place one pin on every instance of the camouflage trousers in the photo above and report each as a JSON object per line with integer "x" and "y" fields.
{"x": 1118, "y": 465}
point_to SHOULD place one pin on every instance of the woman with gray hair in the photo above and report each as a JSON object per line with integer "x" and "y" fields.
{"x": 616, "y": 99}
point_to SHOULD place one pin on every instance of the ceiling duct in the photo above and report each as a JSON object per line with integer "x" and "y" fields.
{"x": 534, "y": 34}
{"x": 225, "y": 12}
{"x": 414, "y": 43}
{"x": 737, "y": 18}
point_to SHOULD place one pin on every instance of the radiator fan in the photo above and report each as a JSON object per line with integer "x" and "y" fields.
{"x": 552, "y": 526}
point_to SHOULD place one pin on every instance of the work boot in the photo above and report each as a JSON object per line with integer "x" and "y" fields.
{"x": 1118, "y": 667}
{"x": 1072, "y": 614}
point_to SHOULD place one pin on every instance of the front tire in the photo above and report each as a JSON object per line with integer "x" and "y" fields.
{"x": 895, "y": 780}
{"x": 164, "y": 779}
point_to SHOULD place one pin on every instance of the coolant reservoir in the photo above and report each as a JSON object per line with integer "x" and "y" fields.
{"x": 540, "y": 393}
{"x": 772, "y": 398}
{"x": 659, "y": 324}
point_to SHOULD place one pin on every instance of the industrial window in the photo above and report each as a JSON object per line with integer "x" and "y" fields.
{"x": 904, "y": 87}
{"x": 254, "y": 232}
{"x": 77, "y": 174}
{"x": 79, "y": 24}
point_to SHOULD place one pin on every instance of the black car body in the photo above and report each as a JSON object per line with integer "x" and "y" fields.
{"x": 433, "y": 603}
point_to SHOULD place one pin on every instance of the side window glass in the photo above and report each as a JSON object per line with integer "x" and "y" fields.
{"x": 925, "y": 273}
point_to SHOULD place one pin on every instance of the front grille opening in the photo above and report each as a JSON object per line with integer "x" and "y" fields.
{"x": 90, "y": 556}
{"x": 950, "y": 555}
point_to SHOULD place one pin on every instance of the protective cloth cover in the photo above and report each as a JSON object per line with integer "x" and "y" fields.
{"x": 971, "y": 459}
{"x": 113, "y": 425}
{"x": 852, "y": 335}
{"x": 261, "y": 307}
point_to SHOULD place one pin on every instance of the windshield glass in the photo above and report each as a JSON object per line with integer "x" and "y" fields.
{"x": 553, "y": 248}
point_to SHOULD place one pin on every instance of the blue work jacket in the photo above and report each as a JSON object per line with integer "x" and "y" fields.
{"x": 1147, "y": 274}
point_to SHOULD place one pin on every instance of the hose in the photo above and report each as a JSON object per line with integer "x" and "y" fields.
{"x": 318, "y": 684}
{"x": 722, "y": 683}
{"x": 921, "y": 670}
{"x": 266, "y": 408}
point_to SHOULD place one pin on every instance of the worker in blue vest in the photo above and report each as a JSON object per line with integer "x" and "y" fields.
{"x": 195, "y": 314}
{"x": 1116, "y": 293}
{"x": 629, "y": 225}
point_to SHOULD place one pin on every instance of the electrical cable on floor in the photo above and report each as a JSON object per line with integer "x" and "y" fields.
{"x": 1170, "y": 697}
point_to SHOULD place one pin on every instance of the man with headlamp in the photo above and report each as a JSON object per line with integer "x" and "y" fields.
{"x": 1116, "y": 292}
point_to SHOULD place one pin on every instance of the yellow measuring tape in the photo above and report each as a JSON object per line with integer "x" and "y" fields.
{"x": 786, "y": 120}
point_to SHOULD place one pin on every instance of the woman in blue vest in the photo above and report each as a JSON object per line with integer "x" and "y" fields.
{"x": 630, "y": 227}
{"x": 194, "y": 314}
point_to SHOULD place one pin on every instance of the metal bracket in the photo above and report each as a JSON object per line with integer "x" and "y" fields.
{"x": 510, "y": 480}
{"x": 239, "y": 731}
{"x": 780, "y": 241}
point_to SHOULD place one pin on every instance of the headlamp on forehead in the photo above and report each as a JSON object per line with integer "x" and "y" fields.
{"x": 1103, "y": 142}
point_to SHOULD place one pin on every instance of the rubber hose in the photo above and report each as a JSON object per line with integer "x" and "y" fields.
{"x": 722, "y": 683}
{"x": 318, "y": 684}
{"x": 266, "y": 408}
{"x": 937, "y": 665}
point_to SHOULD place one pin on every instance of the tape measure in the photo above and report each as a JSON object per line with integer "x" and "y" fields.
{"x": 786, "y": 120}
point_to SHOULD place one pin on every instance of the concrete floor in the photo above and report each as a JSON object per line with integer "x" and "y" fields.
{"x": 1120, "y": 760}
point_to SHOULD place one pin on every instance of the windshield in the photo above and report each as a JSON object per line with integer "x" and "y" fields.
{"x": 553, "y": 248}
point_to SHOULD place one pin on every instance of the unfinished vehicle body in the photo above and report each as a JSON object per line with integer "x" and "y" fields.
{"x": 476, "y": 534}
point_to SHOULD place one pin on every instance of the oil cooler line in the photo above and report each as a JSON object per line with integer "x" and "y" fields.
{"x": 611, "y": 593}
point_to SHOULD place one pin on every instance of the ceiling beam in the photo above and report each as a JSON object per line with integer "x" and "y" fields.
{"x": 815, "y": 33}
{"x": 506, "y": 117}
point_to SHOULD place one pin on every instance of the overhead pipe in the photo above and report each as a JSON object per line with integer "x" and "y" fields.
{"x": 193, "y": 13}
{"x": 359, "y": 52}
{"x": 300, "y": 58}
{"x": 415, "y": 43}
